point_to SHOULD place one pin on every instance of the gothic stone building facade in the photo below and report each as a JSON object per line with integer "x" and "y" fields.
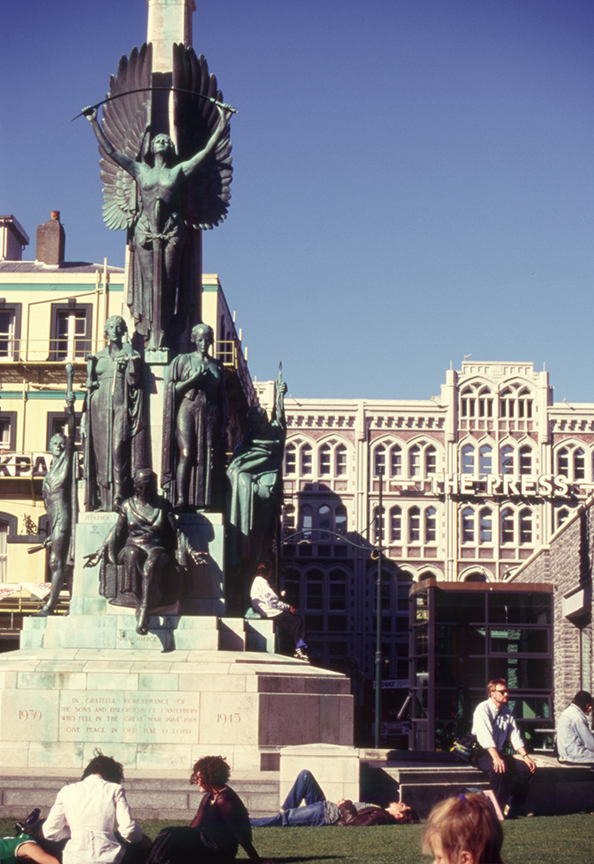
{"x": 474, "y": 482}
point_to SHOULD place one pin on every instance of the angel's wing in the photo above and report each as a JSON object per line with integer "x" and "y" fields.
{"x": 207, "y": 192}
{"x": 125, "y": 123}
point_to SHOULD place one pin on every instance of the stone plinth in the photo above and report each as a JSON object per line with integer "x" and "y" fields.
{"x": 155, "y": 710}
{"x": 335, "y": 768}
{"x": 203, "y": 586}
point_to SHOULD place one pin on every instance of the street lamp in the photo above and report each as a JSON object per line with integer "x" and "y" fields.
{"x": 378, "y": 594}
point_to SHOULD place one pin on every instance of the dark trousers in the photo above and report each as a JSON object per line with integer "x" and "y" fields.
{"x": 511, "y": 786}
{"x": 292, "y": 623}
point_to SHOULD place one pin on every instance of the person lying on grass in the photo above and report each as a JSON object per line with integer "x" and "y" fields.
{"x": 318, "y": 811}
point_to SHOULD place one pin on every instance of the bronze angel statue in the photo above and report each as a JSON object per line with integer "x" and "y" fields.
{"x": 163, "y": 197}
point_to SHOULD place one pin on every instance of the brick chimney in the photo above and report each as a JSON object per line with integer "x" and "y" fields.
{"x": 51, "y": 240}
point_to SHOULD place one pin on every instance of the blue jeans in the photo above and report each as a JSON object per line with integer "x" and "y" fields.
{"x": 305, "y": 788}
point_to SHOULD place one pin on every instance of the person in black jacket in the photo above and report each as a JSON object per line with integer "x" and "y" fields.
{"x": 319, "y": 811}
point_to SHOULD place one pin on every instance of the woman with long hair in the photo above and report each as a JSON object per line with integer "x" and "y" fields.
{"x": 219, "y": 828}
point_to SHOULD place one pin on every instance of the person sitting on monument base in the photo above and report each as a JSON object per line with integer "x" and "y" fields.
{"x": 575, "y": 741}
{"x": 267, "y": 603}
{"x": 143, "y": 543}
{"x": 318, "y": 811}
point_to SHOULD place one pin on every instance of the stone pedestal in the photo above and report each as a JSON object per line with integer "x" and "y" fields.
{"x": 335, "y": 768}
{"x": 156, "y": 364}
{"x": 161, "y": 709}
{"x": 194, "y": 685}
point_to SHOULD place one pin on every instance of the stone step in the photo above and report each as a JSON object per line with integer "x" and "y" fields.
{"x": 117, "y": 629}
{"x": 149, "y": 798}
{"x": 424, "y": 796}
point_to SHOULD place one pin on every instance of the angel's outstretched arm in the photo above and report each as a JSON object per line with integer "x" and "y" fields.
{"x": 191, "y": 165}
{"x": 126, "y": 163}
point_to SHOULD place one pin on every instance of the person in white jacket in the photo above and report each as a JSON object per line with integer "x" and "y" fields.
{"x": 575, "y": 741}
{"x": 267, "y": 603}
{"x": 91, "y": 811}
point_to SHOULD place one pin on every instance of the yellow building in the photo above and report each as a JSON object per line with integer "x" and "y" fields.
{"x": 53, "y": 311}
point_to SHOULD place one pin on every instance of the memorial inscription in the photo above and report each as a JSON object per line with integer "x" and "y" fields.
{"x": 127, "y": 718}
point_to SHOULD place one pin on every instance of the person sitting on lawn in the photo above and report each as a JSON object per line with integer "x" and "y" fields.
{"x": 90, "y": 812}
{"x": 464, "y": 830}
{"x": 575, "y": 741}
{"x": 24, "y": 847}
{"x": 318, "y": 811}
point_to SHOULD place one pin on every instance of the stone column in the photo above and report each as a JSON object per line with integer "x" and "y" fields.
{"x": 168, "y": 21}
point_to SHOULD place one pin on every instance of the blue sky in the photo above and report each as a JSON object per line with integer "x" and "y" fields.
{"x": 414, "y": 179}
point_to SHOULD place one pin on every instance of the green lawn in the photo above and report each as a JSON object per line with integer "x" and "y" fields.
{"x": 542, "y": 840}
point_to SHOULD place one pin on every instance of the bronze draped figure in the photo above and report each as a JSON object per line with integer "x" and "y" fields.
{"x": 141, "y": 567}
{"x": 194, "y": 423}
{"x": 113, "y": 420}
{"x": 254, "y": 495}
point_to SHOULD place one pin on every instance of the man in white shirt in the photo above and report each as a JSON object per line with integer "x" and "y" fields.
{"x": 575, "y": 741}
{"x": 267, "y": 603}
{"x": 493, "y": 724}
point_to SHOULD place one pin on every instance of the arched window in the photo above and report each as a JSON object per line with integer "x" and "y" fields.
{"x": 378, "y": 524}
{"x": 290, "y": 459}
{"x": 324, "y": 522}
{"x": 468, "y": 403}
{"x": 414, "y": 461}
{"x": 306, "y": 459}
{"x": 507, "y": 525}
{"x": 475, "y": 577}
{"x": 325, "y": 454}
{"x": 468, "y": 525}
{"x": 379, "y": 461}
{"x": 341, "y": 460}
{"x": 579, "y": 464}
{"x": 430, "y": 460}
{"x": 485, "y": 526}
{"x": 340, "y": 520}
{"x": 468, "y": 459}
{"x": 430, "y": 525}
{"x": 396, "y": 461}
{"x": 526, "y": 460}
{"x": 485, "y": 460}
{"x": 395, "y": 525}
{"x": 306, "y": 515}
{"x": 526, "y": 526}
{"x": 561, "y": 516}
{"x": 414, "y": 525}
{"x": 507, "y": 459}
{"x": 563, "y": 462}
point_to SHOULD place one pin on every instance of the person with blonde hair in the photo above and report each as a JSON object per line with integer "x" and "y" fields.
{"x": 464, "y": 830}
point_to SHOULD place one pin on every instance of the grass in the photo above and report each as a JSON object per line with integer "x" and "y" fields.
{"x": 541, "y": 840}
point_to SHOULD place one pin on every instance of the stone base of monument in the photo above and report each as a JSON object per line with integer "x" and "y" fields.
{"x": 194, "y": 685}
{"x": 161, "y": 709}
